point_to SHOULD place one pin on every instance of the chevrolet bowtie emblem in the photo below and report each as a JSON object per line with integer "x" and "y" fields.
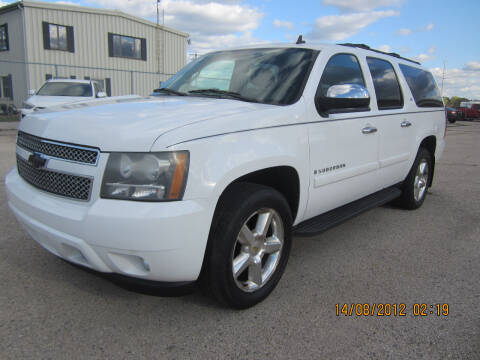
{"x": 37, "y": 161}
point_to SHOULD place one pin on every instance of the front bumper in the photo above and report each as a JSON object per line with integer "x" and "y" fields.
{"x": 154, "y": 241}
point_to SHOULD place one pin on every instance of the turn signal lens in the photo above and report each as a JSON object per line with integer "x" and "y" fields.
{"x": 178, "y": 176}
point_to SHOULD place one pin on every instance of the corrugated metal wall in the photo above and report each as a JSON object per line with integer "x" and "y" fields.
{"x": 16, "y": 53}
{"x": 91, "y": 40}
{"x": 91, "y": 58}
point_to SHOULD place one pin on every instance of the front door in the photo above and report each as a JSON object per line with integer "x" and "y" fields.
{"x": 343, "y": 146}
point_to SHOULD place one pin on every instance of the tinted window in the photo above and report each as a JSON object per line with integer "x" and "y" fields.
{"x": 58, "y": 37}
{"x": 341, "y": 69}
{"x": 272, "y": 76}
{"x": 65, "y": 89}
{"x": 4, "y": 37}
{"x": 389, "y": 95}
{"x": 127, "y": 47}
{"x": 423, "y": 87}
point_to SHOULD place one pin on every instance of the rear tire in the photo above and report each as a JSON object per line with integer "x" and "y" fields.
{"x": 415, "y": 186}
{"x": 249, "y": 245}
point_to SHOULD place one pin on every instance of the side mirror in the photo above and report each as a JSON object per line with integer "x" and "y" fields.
{"x": 101, "y": 94}
{"x": 31, "y": 92}
{"x": 344, "y": 98}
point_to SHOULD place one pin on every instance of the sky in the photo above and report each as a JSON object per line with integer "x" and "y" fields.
{"x": 438, "y": 33}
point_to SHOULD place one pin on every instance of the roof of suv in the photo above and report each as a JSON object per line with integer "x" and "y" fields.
{"x": 322, "y": 46}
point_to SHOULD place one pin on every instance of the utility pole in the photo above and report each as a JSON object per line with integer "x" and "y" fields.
{"x": 443, "y": 76}
{"x": 157, "y": 36}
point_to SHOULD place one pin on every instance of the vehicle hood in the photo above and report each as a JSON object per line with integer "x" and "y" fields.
{"x": 49, "y": 101}
{"x": 129, "y": 124}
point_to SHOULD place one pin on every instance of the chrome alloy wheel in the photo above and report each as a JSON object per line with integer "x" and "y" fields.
{"x": 421, "y": 180}
{"x": 257, "y": 250}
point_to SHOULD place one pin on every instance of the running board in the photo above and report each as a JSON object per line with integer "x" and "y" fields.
{"x": 334, "y": 217}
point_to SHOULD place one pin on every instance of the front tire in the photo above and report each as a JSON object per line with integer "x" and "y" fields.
{"x": 249, "y": 245}
{"x": 415, "y": 186}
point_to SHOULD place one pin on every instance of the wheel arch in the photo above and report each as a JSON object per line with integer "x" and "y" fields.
{"x": 430, "y": 144}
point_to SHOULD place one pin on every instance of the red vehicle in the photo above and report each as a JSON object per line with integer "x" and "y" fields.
{"x": 468, "y": 111}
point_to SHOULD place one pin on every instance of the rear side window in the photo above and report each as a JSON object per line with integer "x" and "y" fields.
{"x": 423, "y": 87}
{"x": 341, "y": 69}
{"x": 387, "y": 88}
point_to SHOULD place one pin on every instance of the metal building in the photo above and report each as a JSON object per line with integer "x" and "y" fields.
{"x": 127, "y": 54}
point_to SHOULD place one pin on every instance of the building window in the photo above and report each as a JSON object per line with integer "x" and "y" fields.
{"x": 4, "y": 37}
{"x": 7, "y": 85}
{"x": 58, "y": 37}
{"x": 108, "y": 86}
{"x": 127, "y": 47}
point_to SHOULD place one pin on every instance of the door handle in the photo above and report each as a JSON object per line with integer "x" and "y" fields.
{"x": 405, "y": 123}
{"x": 369, "y": 130}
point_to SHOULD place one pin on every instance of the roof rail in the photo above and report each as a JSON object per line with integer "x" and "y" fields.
{"x": 366, "y": 47}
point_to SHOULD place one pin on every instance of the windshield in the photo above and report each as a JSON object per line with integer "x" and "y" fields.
{"x": 271, "y": 76}
{"x": 65, "y": 89}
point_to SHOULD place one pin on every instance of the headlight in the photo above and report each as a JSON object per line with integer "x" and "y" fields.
{"x": 27, "y": 105}
{"x": 145, "y": 176}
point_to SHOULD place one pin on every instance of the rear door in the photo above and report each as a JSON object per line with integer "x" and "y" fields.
{"x": 343, "y": 144}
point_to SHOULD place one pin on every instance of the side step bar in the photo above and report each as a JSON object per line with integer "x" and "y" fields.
{"x": 334, "y": 217}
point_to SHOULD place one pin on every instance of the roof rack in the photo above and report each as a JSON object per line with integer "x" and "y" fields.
{"x": 366, "y": 47}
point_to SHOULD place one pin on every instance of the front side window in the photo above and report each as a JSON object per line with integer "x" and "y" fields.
{"x": 4, "y": 46}
{"x": 341, "y": 69}
{"x": 423, "y": 86}
{"x": 65, "y": 88}
{"x": 127, "y": 47}
{"x": 58, "y": 37}
{"x": 387, "y": 88}
{"x": 272, "y": 76}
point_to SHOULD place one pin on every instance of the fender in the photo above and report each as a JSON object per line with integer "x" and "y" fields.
{"x": 216, "y": 162}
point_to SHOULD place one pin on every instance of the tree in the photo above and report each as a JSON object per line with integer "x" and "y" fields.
{"x": 455, "y": 101}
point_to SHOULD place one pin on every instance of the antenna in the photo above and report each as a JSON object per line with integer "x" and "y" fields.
{"x": 300, "y": 40}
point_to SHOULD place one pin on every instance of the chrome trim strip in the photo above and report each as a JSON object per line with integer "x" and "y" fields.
{"x": 64, "y": 145}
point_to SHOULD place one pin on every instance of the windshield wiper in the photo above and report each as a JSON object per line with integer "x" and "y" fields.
{"x": 223, "y": 93}
{"x": 170, "y": 91}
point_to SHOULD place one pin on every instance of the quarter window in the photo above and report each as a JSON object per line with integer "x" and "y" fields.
{"x": 58, "y": 37}
{"x": 423, "y": 86}
{"x": 341, "y": 69}
{"x": 4, "y": 37}
{"x": 127, "y": 47}
{"x": 387, "y": 88}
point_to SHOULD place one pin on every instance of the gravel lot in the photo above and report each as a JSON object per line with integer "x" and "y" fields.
{"x": 49, "y": 309}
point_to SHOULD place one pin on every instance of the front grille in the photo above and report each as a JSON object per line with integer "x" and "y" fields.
{"x": 61, "y": 151}
{"x": 75, "y": 187}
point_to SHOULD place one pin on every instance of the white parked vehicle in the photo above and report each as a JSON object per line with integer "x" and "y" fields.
{"x": 207, "y": 180}
{"x": 61, "y": 91}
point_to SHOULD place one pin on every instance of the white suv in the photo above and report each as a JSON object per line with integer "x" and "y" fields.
{"x": 61, "y": 91}
{"x": 208, "y": 179}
